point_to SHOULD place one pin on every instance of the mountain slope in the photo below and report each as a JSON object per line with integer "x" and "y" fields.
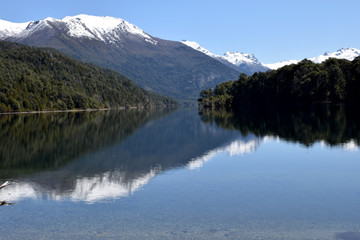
{"x": 33, "y": 79}
{"x": 343, "y": 53}
{"x": 242, "y": 62}
{"x": 162, "y": 66}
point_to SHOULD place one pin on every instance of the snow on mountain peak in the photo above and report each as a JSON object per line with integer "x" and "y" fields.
{"x": 238, "y": 58}
{"x": 198, "y": 47}
{"x": 106, "y": 29}
{"x": 103, "y": 28}
{"x": 235, "y": 58}
{"x": 9, "y": 29}
{"x": 343, "y": 53}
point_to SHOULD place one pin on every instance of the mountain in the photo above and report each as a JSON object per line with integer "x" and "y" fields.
{"x": 162, "y": 66}
{"x": 274, "y": 66}
{"x": 343, "y": 53}
{"x": 242, "y": 62}
{"x": 33, "y": 79}
{"x": 67, "y": 154}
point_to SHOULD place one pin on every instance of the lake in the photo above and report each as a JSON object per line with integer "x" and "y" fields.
{"x": 181, "y": 175}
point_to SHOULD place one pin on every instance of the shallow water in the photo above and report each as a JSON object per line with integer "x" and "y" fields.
{"x": 173, "y": 175}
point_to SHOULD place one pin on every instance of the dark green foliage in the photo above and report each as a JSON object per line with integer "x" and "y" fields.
{"x": 334, "y": 81}
{"x": 33, "y": 79}
{"x": 30, "y": 142}
{"x": 221, "y": 96}
{"x": 333, "y": 123}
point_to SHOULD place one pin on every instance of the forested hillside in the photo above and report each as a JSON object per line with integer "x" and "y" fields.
{"x": 166, "y": 67}
{"x": 334, "y": 81}
{"x": 34, "y": 79}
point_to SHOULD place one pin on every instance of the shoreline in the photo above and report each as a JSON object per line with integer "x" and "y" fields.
{"x": 71, "y": 110}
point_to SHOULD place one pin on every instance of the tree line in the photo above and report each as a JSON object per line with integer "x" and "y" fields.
{"x": 333, "y": 81}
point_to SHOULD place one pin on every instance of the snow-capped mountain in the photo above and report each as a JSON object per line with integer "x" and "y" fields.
{"x": 106, "y": 29}
{"x": 9, "y": 29}
{"x": 238, "y": 58}
{"x": 199, "y": 48}
{"x": 343, "y": 53}
{"x": 242, "y": 62}
{"x": 162, "y": 66}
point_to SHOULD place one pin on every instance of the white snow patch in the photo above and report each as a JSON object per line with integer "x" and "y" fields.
{"x": 9, "y": 29}
{"x": 343, "y": 53}
{"x": 102, "y": 28}
{"x": 199, "y": 48}
{"x": 277, "y": 65}
{"x": 235, "y": 58}
{"x": 238, "y": 58}
{"x": 107, "y": 29}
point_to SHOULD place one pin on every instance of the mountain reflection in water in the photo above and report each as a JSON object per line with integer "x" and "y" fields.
{"x": 120, "y": 153}
{"x": 33, "y": 142}
{"x": 98, "y": 156}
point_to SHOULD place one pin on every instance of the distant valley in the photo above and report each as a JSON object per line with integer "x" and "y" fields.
{"x": 165, "y": 67}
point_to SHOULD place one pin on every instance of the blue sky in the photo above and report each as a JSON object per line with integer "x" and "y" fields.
{"x": 272, "y": 30}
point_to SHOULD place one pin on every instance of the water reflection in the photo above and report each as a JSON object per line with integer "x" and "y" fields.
{"x": 34, "y": 142}
{"x": 331, "y": 125}
{"x": 235, "y": 148}
{"x": 108, "y": 185}
{"x": 109, "y": 155}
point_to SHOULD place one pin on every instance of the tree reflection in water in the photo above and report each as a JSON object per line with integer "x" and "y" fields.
{"x": 332, "y": 124}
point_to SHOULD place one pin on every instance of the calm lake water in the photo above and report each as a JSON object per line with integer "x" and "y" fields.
{"x": 181, "y": 175}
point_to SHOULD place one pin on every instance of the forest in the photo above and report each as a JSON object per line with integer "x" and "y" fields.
{"x": 38, "y": 79}
{"x": 333, "y": 81}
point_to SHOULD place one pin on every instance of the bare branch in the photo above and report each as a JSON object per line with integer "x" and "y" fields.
{"x": 4, "y": 203}
{"x": 7, "y": 183}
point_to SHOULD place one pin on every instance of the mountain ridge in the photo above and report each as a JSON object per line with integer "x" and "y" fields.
{"x": 343, "y": 53}
{"x": 243, "y": 62}
{"x": 166, "y": 67}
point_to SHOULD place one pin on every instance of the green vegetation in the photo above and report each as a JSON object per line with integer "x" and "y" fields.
{"x": 34, "y": 79}
{"x": 33, "y": 142}
{"x": 334, "y": 124}
{"x": 334, "y": 81}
